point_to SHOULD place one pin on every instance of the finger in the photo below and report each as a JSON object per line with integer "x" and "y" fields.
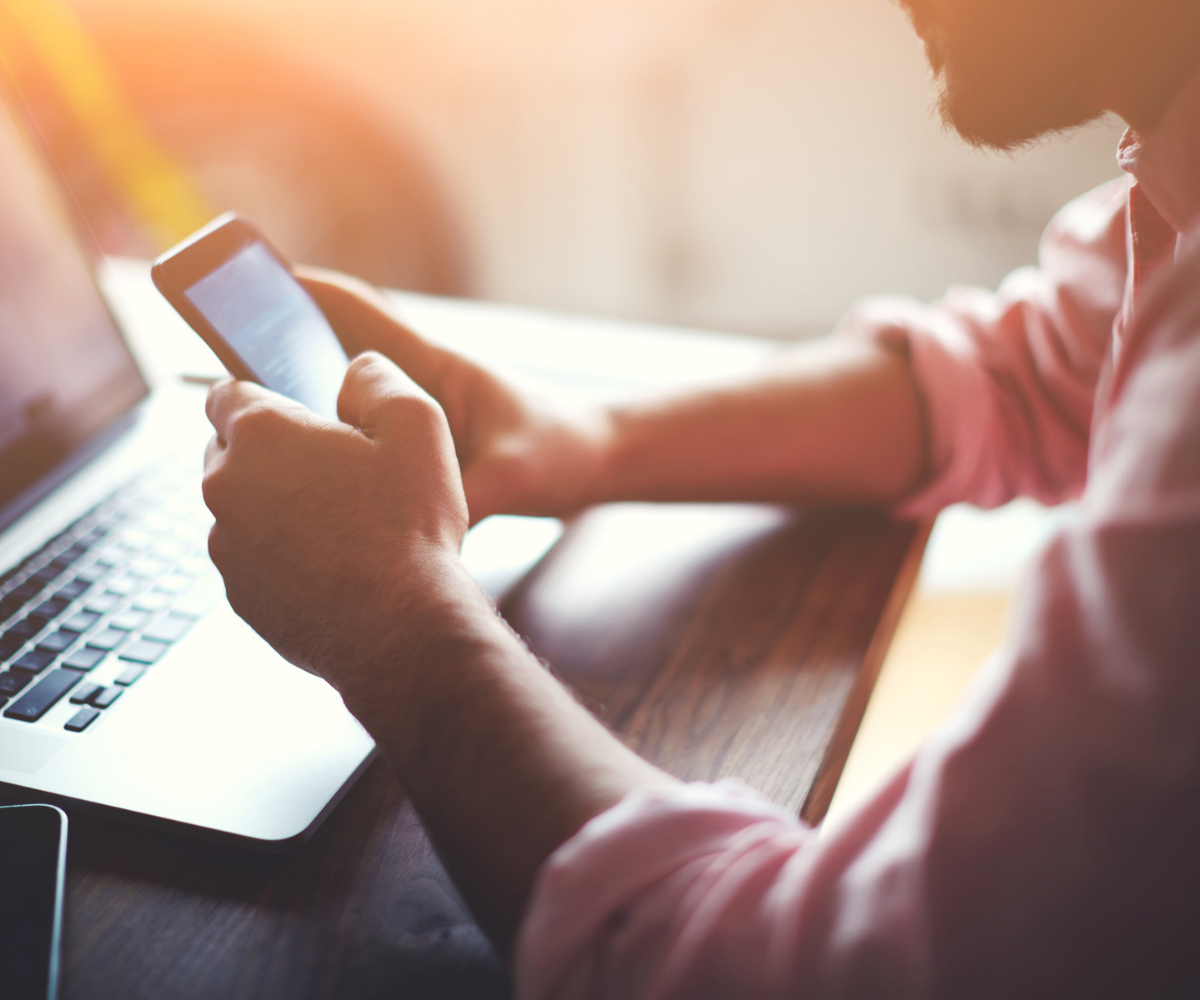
{"x": 214, "y": 451}
{"x": 230, "y": 399}
{"x": 363, "y": 320}
{"x": 478, "y": 505}
{"x": 219, "y": 548}
{"x": 216, "y": 406}
{"x": 371, "y": 387}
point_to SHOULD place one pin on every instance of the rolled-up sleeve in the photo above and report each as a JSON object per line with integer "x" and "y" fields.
{"x": 1041, "y": 844}
{"x": 689, "y": 859}
{"x": 1008, "y": 378}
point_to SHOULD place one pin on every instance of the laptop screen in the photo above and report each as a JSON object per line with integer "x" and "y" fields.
{"x": 65, "y": 371}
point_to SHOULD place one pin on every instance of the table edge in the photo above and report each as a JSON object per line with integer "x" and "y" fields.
{"x": 820, "y": 792}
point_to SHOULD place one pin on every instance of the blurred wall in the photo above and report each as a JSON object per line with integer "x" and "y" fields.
{"x": 751, "y": 165}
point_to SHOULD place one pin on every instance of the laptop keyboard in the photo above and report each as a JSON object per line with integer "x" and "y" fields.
{"x": 106, "y": 598}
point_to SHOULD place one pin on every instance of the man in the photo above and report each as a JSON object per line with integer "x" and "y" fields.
{"x": 1044, "y": 842}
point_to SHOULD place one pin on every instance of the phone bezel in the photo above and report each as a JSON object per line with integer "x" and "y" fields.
{"x": 196, "y": 258}
{"x": 60, "y": 874}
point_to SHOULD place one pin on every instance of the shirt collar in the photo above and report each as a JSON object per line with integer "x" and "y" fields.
{"x": 1166, "y": 162}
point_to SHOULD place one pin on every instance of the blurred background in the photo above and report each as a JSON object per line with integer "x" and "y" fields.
{"x": 744, "y": 165}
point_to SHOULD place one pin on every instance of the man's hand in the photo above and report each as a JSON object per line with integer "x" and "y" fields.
{"x": 835, "y": 419}
{"x": 339, "y": 544}
{"x": 334, "y": 538}
{"x": 519, "y": 454}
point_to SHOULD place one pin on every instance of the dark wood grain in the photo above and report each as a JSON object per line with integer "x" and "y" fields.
{"x": 362, "y": 910}
{"x": 716, "y": 640}
{"x": 725, "y": 641}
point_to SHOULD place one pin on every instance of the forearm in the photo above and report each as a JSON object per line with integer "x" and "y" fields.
{"x": 499, "y": 760}
{"x": 836, "y": 419}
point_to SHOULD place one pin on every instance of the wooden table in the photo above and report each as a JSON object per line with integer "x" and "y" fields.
{"x": 717, "y": 640}
{"x": 746, "y": 644}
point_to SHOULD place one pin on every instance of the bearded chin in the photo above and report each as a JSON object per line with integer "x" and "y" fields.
{"x": 999, "y": 118}
{"x": 1007, "y": 101}
{"x": 956, "y": 115}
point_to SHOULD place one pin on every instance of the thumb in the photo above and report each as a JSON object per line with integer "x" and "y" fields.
{"x": 363, "y": 321}
{"x": 374, "y": 390}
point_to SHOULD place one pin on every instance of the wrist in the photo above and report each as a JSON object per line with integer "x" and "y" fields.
{"x": 433, "y": 624}
{"x": 556, "y": 465}
{"x": 421, "y": 597}
{"x": 597, "y": 432}
{"x": 614, "y": 442}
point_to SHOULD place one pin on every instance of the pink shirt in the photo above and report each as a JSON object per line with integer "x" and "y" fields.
{"x": 1046, "y": 841}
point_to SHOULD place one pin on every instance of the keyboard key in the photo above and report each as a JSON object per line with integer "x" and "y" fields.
{"x": 152, "y": 600}
{"x": 158, "y": 524}
{"x": 106, "y": 696}
{"x": 170, "y": 549}
{"x": 57, "y": 642}
{"x": 79, "y": 548}
{"x": 51, "y": 608}
{"x": 82, "y": 719}
{"x": 8, "y": 647}
{"x": 93, "y": 574}
{"x": 9, "y": 607}
{"x": 92, "y": 537}
{"x": 148, "y": 567}
{"x": 75, "y": 589}
{"x": 85, "y": 658}
{"x": 45, "y": 575}
{"x": 35, "y": 661}
{"x": 127, "y": 676}
{"x": 169, "y": 628}
{"x": 83, "y": 694}
{"x": 194, "y": 566}
{"x": 135, "y": 540}
{"x": 27, "y": 591}
{"x": 124, "y": 585}
{"x": 174, "y": 583}
{"x": 145, "y": 651}
{"x": 110, "y": 638}
{"x": 130, "y": 620}
{"x": 11, "y": 683}
{"x": 184, "y": 507}
{"x": 200, "y": 599}
{"x": 40, "y": 698}
{"x": 102, "y": 604}
{"x": 196, "y": 529}
{"x": 81, "y": 621}
{"x": 12, "y": 640}
{"x": 26, "y": 628}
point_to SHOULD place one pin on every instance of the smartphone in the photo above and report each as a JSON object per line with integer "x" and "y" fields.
{"x": 238, "y": 293}
{"x": 33, "y": 861}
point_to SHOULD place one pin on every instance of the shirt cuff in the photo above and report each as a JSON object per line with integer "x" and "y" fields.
{"x": 584, "y": 890}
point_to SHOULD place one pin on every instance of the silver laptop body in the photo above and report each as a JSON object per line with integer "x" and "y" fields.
{"x": 190, "y": 717}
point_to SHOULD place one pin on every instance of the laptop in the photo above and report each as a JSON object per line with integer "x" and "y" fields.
{"x": 126, "y": 681}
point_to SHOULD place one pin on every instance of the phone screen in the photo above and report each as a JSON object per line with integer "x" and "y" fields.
{"x": 32, "y": 856}
{"x": 272, "y": 324}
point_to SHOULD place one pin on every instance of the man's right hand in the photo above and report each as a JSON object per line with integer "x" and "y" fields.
{"x": 518, "y": 453}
